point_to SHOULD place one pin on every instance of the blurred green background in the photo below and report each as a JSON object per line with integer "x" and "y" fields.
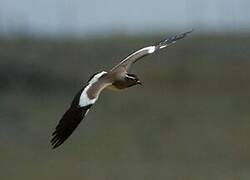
{"x": 189, "y": 121}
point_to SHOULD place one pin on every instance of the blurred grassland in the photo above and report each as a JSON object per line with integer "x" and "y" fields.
{"x": 190, "y": 120}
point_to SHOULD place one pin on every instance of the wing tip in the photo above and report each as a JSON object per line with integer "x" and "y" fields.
{"x": 68, "y": 123}
{"x": 171, "y": 40}
{"x": 55, "y": 141}
{"x": 190, "y": 31}
{"x": 179, "y": 36}
{"x": 56, "y": 144}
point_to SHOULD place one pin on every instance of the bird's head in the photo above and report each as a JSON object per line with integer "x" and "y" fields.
{"x": 132, "y": 80}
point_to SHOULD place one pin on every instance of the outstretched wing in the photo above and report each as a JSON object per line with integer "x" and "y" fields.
{"x": 70, "y": 120}
{"x": 129, "y": 60}
{"x": 79, "y": 108}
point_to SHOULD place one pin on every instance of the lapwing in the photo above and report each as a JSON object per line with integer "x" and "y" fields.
{"x": 116, "y": 78}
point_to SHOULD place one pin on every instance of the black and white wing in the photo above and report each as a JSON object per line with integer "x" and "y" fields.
{"x": 79, "y": 108}
{"x": 129, "y": 60}
{"x": 69, "y": 121}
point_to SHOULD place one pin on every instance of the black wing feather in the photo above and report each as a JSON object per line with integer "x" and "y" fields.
{"x": 171, "y": 40}
{"x": 70, "y": 120}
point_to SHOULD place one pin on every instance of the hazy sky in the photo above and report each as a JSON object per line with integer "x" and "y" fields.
{"x": 128, "y": 16}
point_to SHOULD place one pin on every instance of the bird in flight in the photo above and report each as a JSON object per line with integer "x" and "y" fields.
{"x": 116, "y": 78}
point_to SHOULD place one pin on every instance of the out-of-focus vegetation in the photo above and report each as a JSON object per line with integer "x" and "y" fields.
{"x": 190, "y": 120}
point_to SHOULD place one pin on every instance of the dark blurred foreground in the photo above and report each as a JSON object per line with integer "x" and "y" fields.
{"x": 190, "y": 120}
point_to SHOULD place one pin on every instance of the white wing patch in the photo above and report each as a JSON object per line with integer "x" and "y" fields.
{"x": 150, "y": 49}
{"x": 84, "y": 99}
{"x": 96, "y": 77}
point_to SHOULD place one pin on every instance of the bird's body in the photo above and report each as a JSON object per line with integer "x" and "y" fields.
{"x": 117, "y": 78}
